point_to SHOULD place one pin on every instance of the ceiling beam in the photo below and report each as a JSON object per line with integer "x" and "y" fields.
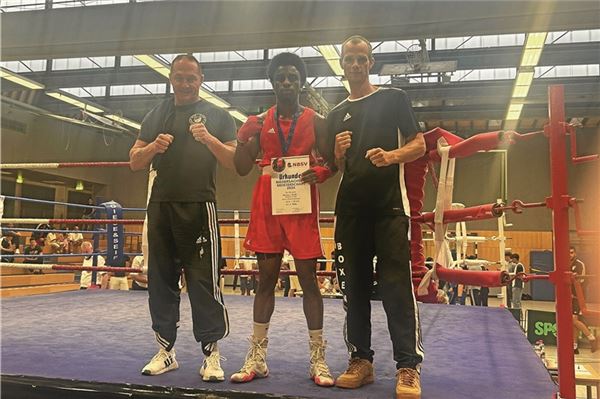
{"x": 180, "y": 26}
{"x": 486, "y": 99}
{"x": 480, "y": 58}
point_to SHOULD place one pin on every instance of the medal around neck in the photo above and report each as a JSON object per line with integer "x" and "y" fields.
{"x": 197, "y": 118}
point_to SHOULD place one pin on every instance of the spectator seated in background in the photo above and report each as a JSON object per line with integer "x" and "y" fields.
{"x": 118, "y": 281}
{"x": 442, "y": 297}
{"x": 140, "y": 280}
{"x": 86, "y": 277}
{"x": 52, "y": 242}
{"x": 327, "y": 286}
{"x": 40, "y": 236}
{"x": 63, "y": 244}
{"x": 30, "y": 251}
{"x": 7, "y": 247}
{"x": 288, "y": 259}
{"x": 75, "y": 239}
{"x": 8, "y": 231}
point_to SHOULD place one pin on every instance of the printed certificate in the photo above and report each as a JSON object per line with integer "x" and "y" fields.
{"x": 289, "y": 196}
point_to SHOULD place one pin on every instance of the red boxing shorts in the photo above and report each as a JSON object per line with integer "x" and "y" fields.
{"x": 299, "y": 234}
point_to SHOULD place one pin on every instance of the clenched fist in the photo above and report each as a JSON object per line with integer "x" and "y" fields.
{"x": 343, "y": 141}
{"x": 162, "y": 142}
{"x": 200, "y": 133}
{"x": 379, "y": 157}
{"x": 250, "y": 128}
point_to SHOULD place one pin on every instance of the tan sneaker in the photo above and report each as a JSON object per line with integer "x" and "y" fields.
{"x": 408, "y": 384}
{"x": 255, "y": 365}
{"x": 359, "y": 373}
{"x": 319, "y": 371}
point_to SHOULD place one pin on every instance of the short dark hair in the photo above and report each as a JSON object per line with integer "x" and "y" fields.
{"x": 188, "y": 57}
{"x": 507, "y": 253}
{"x": 282, "y": 59}
{"x": 356, "y": 39}
{"x": 515, "y": 256}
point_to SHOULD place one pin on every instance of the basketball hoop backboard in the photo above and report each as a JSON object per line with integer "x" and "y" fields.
{"x": 409, "y": 69}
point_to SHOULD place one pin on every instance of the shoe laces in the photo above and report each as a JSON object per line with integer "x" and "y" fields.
{"x": 214, "y": 360}
{"x": 317, "y": 358}
{"x": 408, "y": 377}
{"x": 256, "y": 354}
{"x": 355, "y": 365}
{"x": 161, "y": 355}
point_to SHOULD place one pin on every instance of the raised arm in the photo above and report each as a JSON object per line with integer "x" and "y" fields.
{"x": 248, "y": 145}
{"x": 142, "y": 153}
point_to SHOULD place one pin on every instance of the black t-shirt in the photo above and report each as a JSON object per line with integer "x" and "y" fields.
{"x": 382, "y": 119}
{"x": 5, "y": 246}
{"x": 578, "y": 267}
{"x": 186, "y": 172}
{"x": 31, "y": 251}
{"x": 519, "y": 268}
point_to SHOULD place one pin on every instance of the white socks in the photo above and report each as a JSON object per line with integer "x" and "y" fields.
{"x": 260, "y": 330}
{"x": 315, "y": 335}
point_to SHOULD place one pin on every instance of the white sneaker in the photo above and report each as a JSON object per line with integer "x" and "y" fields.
{"x": 255, "y": 365}
{"x": 162, "y": 362}
{"x": 211, "y": 370}
{"x": 319, "y": 370}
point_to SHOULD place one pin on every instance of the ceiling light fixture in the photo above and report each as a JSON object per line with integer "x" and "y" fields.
{"x": 238, "y": 115}
{"x": 124, "y": 121}
{"x": 20, "y": 80}
{"x": 162, "y": 68}
{"x": 331, "y": 55}
{"x": 62, "y": 96}
{"x": 532, "y": 51}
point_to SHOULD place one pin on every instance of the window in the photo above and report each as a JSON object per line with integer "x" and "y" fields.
{"x": 397, "y": 46}
{"x": 130, "y": 60}
{"x": 84, "y": 3}
{"x": 94, "y": 91}
{"x": 576, "y": 36}
{"x": 22, "y": 5}
{"x": 136, "y": 90}
{"x": 329, "y": 81}
{"x": 25, "y": 66}
{"x": 251, "y": 84}
{"x": 220, "y": 85}
{"x": 61, "y": 64}
{"x": 301, "y": 51}
{"x": 452, "y": 43}
{"x": 567, "y": 71}
{"x": 484, "y": 74}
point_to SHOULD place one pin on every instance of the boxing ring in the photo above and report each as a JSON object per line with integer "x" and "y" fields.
{"x": 90, "y": 342}
{"x": 79, "y": 343}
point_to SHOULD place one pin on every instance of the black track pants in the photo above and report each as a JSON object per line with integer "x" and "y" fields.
{"x": 357, "y": 240}
{"x": 185, "y": 235}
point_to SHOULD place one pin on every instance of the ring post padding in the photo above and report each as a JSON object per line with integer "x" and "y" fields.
{"x": 114, "y": 234}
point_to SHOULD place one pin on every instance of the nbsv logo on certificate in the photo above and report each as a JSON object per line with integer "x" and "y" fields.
{"x": 289, "y": 195}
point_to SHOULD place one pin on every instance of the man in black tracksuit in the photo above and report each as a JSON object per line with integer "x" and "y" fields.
{"x": 184, "y": 138}
{"x": 372, "y": 134}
